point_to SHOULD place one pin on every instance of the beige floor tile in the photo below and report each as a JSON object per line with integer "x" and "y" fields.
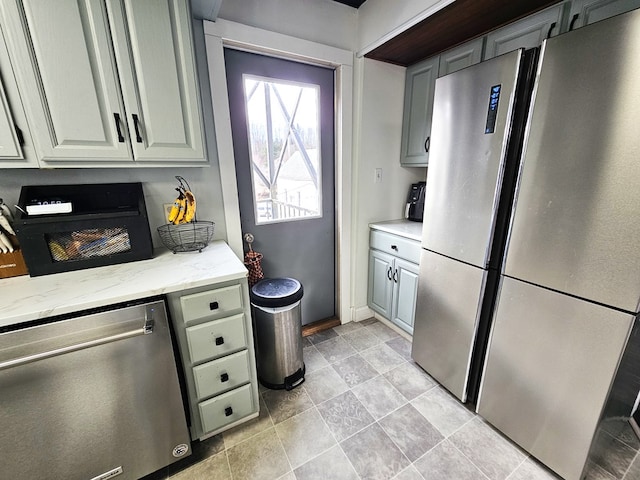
{"x": 259, "y": 458}
{"x": 304, "y": 437}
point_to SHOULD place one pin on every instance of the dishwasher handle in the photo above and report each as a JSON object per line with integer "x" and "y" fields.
{"x": 17, "y": 362}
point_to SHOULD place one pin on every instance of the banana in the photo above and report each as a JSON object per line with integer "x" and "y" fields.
{"x": 175, "y": 210}
{"x": 190, "y": 214}
{"x": 182, "y": 206}
{"x": 4, "y": 223}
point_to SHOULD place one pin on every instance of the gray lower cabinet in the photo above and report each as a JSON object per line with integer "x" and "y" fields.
{"x": 107, "y": 80}
{"x": 215, "y": 338}
{"x": 393, "y": 277}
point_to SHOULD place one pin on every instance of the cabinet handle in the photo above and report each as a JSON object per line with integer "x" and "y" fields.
{"x": 136, "y": 125}
{"x": 213, "y": 306}
{"x": 427, "y": 143}
{"x": 20, "y": 136}
{"x": 224, "y": 377}
{"x": 573, "y": 21}
{"x": 228, "y": 412}
{"x": 219, "y": 340}
{"x": 395, "y": 275}
{"x": 116, "y": 117}
{"x": 553, "y": 25}
{"x": 394, "y": 247}
{"x": 389, "y": 273}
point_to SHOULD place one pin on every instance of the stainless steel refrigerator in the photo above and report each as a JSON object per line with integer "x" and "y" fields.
{"x": 476, "y": 141}
{"x": 570, "y": 290}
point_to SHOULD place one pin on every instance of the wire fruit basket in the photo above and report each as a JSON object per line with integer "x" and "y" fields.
{"x": 186, "y": 237}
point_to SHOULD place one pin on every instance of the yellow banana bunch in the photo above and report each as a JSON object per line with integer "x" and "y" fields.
{"x": 183, "y": 209}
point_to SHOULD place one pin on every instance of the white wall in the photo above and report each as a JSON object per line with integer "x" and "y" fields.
{"x": 321, "y": 21}
{"x": 378, "y": 132}
{"x": 379, "y": 21}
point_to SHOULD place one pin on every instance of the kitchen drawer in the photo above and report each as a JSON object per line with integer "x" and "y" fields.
{"x": 214, "y": 339}
{"x": 226, "y": 408}
{"x": 211, "y": 304}
{"x": 221, "y": 375}
{"x": 395, "y": 245}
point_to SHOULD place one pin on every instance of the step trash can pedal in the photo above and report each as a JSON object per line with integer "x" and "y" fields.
{"x": 275, "y": 305}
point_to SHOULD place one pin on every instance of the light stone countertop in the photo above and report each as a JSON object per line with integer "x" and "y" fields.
{"x": 404, "y": 228}
{"x": 27, "y": 298}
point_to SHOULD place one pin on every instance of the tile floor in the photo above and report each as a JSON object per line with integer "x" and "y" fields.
{"x": 365, "y": 411}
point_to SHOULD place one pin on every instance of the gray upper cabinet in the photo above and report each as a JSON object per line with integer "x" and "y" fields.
{"x": 15, "y": 141}
{"x": 107, "y": 82}
{"x": 586, "y": 12}
{"x": 154, "y": 52}
{"x": 526, "y": 33}
{"x": 418, "y": 98}
{"x": 418, "y": 107}
{"x": 461, "y": 57}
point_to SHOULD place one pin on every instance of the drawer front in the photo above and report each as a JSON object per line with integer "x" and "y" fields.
{"x": 221, "y": 375}
{"x": 211, "y": 304}
{"x": 226, "y": 408}
{"x": 214, "y": 339}
{"x": 404, "y": 247}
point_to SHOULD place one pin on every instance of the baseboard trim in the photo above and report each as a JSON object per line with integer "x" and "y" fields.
{"x": 361, "y": 313}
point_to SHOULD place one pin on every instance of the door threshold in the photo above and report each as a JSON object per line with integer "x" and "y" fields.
{"x": 320, "y": 326}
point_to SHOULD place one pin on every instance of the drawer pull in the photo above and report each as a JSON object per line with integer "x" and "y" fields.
{"x": 394, "y": 247}
{"x": 213, "y": 306}
{"x": 219, "y": 340}
{"x": 224, "y": 377}
{"x": 228, "y": 412}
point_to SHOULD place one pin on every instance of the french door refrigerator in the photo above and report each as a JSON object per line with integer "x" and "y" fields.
{"x": 570, "y": 290}
{"x": 476, "y": 140}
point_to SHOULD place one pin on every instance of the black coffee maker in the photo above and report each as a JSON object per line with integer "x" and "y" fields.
{"x": 415, "y": 202}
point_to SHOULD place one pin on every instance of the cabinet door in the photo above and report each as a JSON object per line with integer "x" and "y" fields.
{"x": 405, "y": 292}
{"x": 526, "y": 33}
{"x": 154, "y": 48}
{"x": 380, "y": 282}
{"x": 9, "y": 143}
{"x": 418, "y": 107}
{"x": 64, "y": 62}
{"x": 586, "y": 12}
{"x": 461, "y": 57}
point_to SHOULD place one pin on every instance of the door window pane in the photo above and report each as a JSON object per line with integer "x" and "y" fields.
{"x": 283, "y": 119}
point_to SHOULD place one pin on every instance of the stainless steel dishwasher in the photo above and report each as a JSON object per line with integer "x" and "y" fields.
{"x": 91, "y": 397}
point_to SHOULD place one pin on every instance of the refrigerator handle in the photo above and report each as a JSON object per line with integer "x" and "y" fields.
{"x": 553, "y": 25}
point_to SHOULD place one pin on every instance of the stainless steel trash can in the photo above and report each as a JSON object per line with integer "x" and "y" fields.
{"x": 275, "y": 304}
